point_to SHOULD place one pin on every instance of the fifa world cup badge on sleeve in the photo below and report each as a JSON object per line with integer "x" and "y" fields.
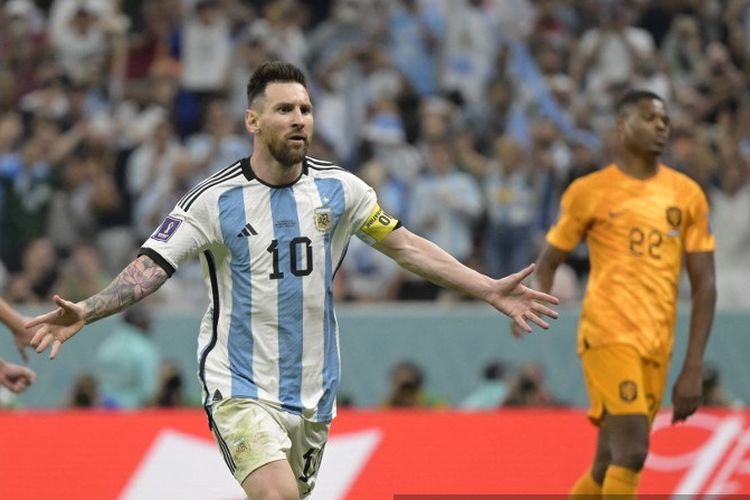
{"x": 167, "y": 229}
{"x": 323, "y": 217}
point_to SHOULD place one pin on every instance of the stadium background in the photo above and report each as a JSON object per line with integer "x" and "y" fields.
{"x": 110, "y": 111}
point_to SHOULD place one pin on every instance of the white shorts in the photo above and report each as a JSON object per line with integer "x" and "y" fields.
{"x": 251, "y": 433}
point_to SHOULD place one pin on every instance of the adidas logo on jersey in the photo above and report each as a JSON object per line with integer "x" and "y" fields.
{"x": 247, "y": 231}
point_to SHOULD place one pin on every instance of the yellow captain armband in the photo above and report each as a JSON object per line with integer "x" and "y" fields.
{"x": 378, "y": 225}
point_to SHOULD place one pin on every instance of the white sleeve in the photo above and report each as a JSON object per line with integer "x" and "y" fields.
{"x": 368, "y": 221}
{"x": 363, "y": 199}
{"x": 180, "y": 236}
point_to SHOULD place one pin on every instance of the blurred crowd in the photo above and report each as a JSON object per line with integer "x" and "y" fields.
{"x": 469, "y": 118}
{"x": 505, "y": 385}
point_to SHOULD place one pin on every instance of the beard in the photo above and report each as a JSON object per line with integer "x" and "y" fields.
{"x": 285, "y": 155}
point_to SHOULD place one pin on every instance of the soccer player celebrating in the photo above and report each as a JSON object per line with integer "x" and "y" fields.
{"x": 638, "y": 218}
{"x": 271, "y": 231}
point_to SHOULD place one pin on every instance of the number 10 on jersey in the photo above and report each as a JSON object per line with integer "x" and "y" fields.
{"x": 301, "y": 245}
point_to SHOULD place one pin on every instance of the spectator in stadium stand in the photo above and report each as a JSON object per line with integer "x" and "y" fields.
{"x": 415, "y": 28}
{"x": 25, "y": 176}
{"x": 127, "y": 361}
{"x": 639, "y": 218}
{"x": 84, "y": 393}
{"x": 610, "y": 52}
{"x": 445, "y": 204}
{"x": 714, "y": 393}
{"x": 730, "y": 220}
{"x": 529, "y": 388}
{"x": 23, "y": 45}
{"x": 90, "y": 43}
{"x": 271, "y": 230}
{"x": 217, "y": 143}
{"x": 39, "y": 273}
{"x": 149, "y": 173}
{"x": 170, "y": 388}
{"x": 15, "y": 377}
{"x": 471, "y": 43}
{"x": 281, "y": 24}
{"x": 491, "y": 391}
{"x": 512, "y": 191}
{"x": 682, "y": 50}
{"x": 206, "y": 55}
{"x": 407, "y": 388}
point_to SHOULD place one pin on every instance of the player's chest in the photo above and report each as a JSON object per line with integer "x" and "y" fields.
{"x": 645, "y": 221}
{"x": 280, "y": 232}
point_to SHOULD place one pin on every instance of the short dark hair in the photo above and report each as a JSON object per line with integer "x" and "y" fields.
{"x": 633, "y": 96}
{"x": 269, "y": 72}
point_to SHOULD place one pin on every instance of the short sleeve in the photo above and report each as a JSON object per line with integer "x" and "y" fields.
{"x": 698, "y": 234}
{"x": 180, "y": 236}
{"x": 573, "y": 219}
{"x": 369, "y": 221}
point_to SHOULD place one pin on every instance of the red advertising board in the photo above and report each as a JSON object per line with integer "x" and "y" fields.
{"x": 371, "y": 455}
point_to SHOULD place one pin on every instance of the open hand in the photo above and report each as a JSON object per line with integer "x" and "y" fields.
{"x": 56, "y": 326}
{"x": 521, "y": 303}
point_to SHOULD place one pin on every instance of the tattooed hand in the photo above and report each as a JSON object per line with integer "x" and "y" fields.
{"x": 140, "y": 278}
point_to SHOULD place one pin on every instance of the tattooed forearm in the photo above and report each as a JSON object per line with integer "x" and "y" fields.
{"x": 140, "y": 278}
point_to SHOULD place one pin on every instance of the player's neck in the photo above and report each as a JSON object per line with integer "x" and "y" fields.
{"x": 270, "y": 171}
{"x": 636, "y": 166}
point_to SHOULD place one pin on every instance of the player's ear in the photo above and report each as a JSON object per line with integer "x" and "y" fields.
{"x": 252, "y": 121}
{"x": 622, "y": 117}
{"x": 623, "y": 123}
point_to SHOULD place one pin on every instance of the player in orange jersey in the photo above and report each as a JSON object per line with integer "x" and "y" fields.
{"x": 638, "y": 218}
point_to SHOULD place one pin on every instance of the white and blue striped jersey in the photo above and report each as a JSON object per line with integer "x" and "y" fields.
{"x": 269, "y": 254}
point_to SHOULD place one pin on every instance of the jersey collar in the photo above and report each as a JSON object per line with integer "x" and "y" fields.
{"x": 247, "y": 171}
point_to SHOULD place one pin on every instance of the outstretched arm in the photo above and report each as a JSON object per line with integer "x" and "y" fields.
{"x": 139, "y": 279}
{"x": 686, "y": 393}
{"x": 508, "y": 295}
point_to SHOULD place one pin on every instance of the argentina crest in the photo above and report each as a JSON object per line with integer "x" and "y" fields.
{"x": 323, "y": 218}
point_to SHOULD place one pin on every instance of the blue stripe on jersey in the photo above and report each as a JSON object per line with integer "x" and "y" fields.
{"x": 331, "y": 191}
{"x": 232, "y": 219}
{"x": 290, "y": 298}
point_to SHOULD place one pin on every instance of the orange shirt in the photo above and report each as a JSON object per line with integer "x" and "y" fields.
{"x": 636, "y": 232}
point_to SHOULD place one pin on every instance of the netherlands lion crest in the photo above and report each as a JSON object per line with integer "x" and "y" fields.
{"x": 628, "y": 391}
{"x": 674, "y": 217}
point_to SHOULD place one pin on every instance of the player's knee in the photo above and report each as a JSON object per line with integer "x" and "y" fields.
{"x": 277, "y": 490}
{"x": 632, "y": 456}
{"x": 275, "y": 494}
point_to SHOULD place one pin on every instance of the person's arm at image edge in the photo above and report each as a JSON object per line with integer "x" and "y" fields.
{"x": 139, "y": 279}
{"x": 15, "y": 322}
